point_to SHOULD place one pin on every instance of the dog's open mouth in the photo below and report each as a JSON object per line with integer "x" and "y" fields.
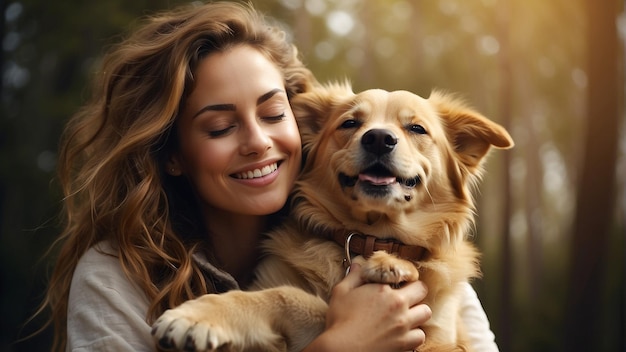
{"x": 376, "y": 177}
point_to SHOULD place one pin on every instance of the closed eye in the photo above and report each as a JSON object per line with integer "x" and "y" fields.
{"x": 220, "y": 133}
{"x": 279, "y": 117}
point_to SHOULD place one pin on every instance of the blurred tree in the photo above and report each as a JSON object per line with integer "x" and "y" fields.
{"x": 595, "y": 201}
{"x": 505, "y": 307}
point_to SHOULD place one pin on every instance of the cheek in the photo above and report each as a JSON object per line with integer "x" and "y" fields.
{"x": 289, "y": 138}
{"x": 296, "y": 142}
{"x": 291, "y": 144}
{"x": 201, "y": 155}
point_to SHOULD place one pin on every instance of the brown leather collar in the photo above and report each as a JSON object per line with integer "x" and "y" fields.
{"x": 366, "y": 245}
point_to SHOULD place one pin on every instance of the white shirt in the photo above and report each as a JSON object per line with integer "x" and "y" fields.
{"x": 107, "y": 312}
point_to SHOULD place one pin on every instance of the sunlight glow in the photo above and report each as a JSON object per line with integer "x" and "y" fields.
{"x": 402, "y": 10}
{"x": 13, "y": 11}
{"x": 448, "y": 7}
{"x": 315, "y": 7}
{"x": 579, "y": 76}
{"x": 15, "y": 75}
{"x": 555, "y": 173}
{"x": 291, "y": 4}
{"x": 340, "y": 22}
{"x": 325, "y": 51}
{"x": 46, "y": 160}
{"x": 488, "y": 45}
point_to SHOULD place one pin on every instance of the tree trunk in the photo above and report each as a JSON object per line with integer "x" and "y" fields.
{"x": 506, "y": 255}
{"x": 595, "y": 196}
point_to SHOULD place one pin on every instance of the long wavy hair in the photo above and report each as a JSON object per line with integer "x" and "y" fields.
{"x": 113, "y": 150}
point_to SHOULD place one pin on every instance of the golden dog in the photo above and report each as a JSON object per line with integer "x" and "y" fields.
{"x": 388, "y": 179}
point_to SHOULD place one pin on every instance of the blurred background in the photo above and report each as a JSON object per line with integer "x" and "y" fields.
{"x": 552, "y": 211}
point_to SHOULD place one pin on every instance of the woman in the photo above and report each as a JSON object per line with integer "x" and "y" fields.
{"x": 184, "y": 156}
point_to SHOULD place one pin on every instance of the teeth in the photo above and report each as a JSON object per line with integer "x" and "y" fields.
{"x": 266, "y": 170}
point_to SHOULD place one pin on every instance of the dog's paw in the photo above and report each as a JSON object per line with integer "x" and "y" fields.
{"x": 177, "y": 330}
{"x": 385, "y": 268}
{"x": 181, "y": 334}
{"x": 232, "y": 321}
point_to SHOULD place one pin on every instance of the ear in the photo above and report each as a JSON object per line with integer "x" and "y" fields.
{"x": 173, "y": 166}
{"x": 313, "y": 108}
{"x": 471, "y": 134}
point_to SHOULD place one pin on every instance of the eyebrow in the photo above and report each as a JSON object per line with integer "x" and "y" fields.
{"x": 216, "y": 107}
{"x": 232, "y": 107}
{"x": 265, "y": 97}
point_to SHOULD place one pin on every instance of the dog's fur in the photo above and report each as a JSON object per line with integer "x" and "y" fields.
{"x": 411, "y": 181}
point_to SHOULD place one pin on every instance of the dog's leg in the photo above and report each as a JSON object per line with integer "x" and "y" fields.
{"x": 385, "y": 268}
{"x": 277, "y": 319}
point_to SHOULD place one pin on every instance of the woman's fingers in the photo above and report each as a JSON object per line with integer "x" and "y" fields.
{"x": 415, "y": 292}
{"x": 353, "y": 279}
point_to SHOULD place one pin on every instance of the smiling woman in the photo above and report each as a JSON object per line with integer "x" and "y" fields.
{"x": 237, "y": 121}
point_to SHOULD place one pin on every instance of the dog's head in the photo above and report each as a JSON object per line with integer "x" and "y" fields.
{"x": 376, "y": 158}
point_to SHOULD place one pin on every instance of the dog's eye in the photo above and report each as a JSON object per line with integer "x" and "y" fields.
{"x": 419, "y": 129}
{"x": 350, "y": 124}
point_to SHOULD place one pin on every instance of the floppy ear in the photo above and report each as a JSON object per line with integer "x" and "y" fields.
{"x": 470, "y": 133}
{"x": 313, "y": 108}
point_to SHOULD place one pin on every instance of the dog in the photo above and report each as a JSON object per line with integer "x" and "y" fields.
{"x": 387, "y": 182}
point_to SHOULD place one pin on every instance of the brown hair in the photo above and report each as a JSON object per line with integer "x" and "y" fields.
{"x": 112, "y": 152}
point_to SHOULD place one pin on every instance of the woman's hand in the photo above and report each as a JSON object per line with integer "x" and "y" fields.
{"x": 373, "y": 317}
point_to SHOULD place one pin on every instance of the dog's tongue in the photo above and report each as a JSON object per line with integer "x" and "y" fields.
{"x": 377, "y": 180}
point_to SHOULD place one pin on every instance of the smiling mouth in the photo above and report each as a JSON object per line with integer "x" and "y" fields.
{"x": 256, "y": 173}
{"x": 378, "y": 176}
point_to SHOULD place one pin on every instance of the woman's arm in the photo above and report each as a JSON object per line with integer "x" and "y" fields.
{"x": 475, "y": 319}
{"x": 373, "y": 317}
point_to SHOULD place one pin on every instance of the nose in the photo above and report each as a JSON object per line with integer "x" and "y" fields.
{"x": 379, "y": 141}
{"x": 254, "y": 140}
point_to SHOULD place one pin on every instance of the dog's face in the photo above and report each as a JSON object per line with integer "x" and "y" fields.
{"x": 376, "y": 157}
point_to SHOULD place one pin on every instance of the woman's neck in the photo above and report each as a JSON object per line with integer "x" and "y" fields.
{"x": 234, "y": 240}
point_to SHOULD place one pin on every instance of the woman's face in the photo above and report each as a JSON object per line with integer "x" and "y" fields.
{"x": 239, "y": 142}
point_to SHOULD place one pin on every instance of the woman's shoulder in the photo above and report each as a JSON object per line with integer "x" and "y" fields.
{"x": 100, "y": 269}
{"x": 105, "y": 307}
{"x": 99, "y": 264}
{"x": 100, "y": 253}
{"x": 97, "y": 255}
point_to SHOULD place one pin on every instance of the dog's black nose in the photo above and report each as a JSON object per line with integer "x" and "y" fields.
{"x": 379, "y": 141}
